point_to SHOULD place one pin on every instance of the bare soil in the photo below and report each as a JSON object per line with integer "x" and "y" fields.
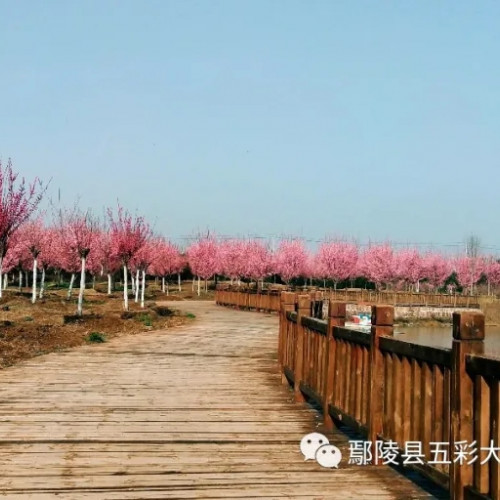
{"x": 28, "y": 330}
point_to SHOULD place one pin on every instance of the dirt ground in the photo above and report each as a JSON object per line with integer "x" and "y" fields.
{"x": 28, "y": 330}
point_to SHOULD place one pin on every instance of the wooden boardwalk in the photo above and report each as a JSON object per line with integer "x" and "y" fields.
{"x": 195, "y": 412}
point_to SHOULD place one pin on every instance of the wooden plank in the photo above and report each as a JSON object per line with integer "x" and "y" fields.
{"x": 481, "y": 433}
{"x": 196, "y": 412}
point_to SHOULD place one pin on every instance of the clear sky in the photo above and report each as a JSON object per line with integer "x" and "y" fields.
{"x": 364, "y": 119}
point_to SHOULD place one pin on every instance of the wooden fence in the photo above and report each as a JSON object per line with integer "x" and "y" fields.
{"x": 264, "y": 300}
{"x": 404, "y": 298}
{"x": 444, "y": 401}
{"x": 364, "y": 297}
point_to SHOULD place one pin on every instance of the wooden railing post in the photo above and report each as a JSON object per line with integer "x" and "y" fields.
{"x": 468, "y": 338}
{"x": 382, "y": 324}
{"x": 303, "y": 309}
{"x": 336, "y": 317}
{"x": 287, "y": 303}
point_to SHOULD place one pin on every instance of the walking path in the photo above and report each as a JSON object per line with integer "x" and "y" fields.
{"x": 193, "y": 412}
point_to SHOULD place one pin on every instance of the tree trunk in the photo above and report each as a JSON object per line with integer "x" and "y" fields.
{"x": 199, "y": 285}
{"x": 168, "y": 292}
{"x": 70, "y": 288}
{"x": 143, "y": 288}
{"x": 137, "y": 285}
{"x": 206, "y": 286}
{"x": 79, "y": 310}
{"x": 132, "y": 280}
{"x": 1, "y": 269}
{"x": 125, "y": 286}
{"x": 163, "y": 284}
{"x": 26, "y": 276}
{"x": 33, "y": 290}
{"x": 192, "y": 284}
{"x": 42, "y": 283}
{"x": 110, "y": 284}
{"x": 5, "y": 281}
{"x": 93, "y": 281}
{"x": 179, "y": 282}
{"x": 20, "y": 280}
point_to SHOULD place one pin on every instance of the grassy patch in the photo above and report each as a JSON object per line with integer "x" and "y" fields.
{"x": 190, "y": 315}
{"x": 96, "y": 338}
{"x": 145, "y": 319}
{"x": 28, "y": 318}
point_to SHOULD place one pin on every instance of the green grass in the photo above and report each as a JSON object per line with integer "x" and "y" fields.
{"x": 190, "y": 315}
{"x": 28, "y": 318}
{"x": 145, "y": 318}
{"x": 96, "y": 338}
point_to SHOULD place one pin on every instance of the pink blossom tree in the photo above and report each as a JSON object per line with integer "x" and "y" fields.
{"x": 256, "y": 263}
{"x": 469, "y": 271}
{"x": 17, "y": 256}
{"x": 492, "y": 271}
{"x": 203, "y": 257}
{"x": 128, "y": 235}
{"x": 436, "y": 269}
{"x": 49, "y": 257}
{"x": 18, "y": 201}
{"x": 337, "y": 261}
{"x": 291, "y": 260}
{"x": 143, "y": 259}
{"x": 409, "y": 267}
{"x": 168, "y": 261}
{"x": 108, "y": 260}
{"x": 81, "y": 234}
{"x": 33, "y": 237}
{"x": 376, "y": 264}
{"x": 232, "y": 259}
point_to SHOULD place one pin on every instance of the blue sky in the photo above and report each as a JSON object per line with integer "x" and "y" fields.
{"x": 357, "y": 119}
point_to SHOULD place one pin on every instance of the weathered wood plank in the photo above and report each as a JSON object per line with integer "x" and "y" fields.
{"x": 197, "y": 412}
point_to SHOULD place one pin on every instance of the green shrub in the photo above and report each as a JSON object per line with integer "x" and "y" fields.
{"x": 96, "y": 338}
{"x": 145, "y": 318}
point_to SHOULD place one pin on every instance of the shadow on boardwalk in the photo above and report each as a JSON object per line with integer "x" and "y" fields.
{"x": 195, "y": 412}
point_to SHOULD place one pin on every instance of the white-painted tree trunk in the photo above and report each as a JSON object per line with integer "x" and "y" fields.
{"x": 26, "y": 276}
{"x": 125, "y": 286}
{"x": 93, "y": 281}
{"x": 110, "y": 284}
{"x": 163, "y": 284}
{"x": 1, "y": 269}
{"x": 137, "y": 286}
{"x": 179, "y": 284}
{"x": 79, "y": 309}
{"x": 33, "y": 290}
{"x": 168, "y": 291}
{"x": 199, "y": 284}
{"x": 143, "y": 288}
{"x": 5, "y": 281}
{"x": 20, "y": 279}
{"x": 42, "y": 283}
{"x": 132, "y": 281}
{"x": 192, "y": 284}
{"x": 70, "y": 288}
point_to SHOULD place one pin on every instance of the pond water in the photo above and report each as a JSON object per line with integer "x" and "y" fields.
{"x": 441, "y": 336}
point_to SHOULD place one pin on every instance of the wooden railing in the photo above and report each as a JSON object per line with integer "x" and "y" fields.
{"x": 262, "y": 300}
{"x": 443, "y": 403}
{"x": 408, "y": 395}
{"x": 365, "y": 296}
{"x": 404, "y": 298}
